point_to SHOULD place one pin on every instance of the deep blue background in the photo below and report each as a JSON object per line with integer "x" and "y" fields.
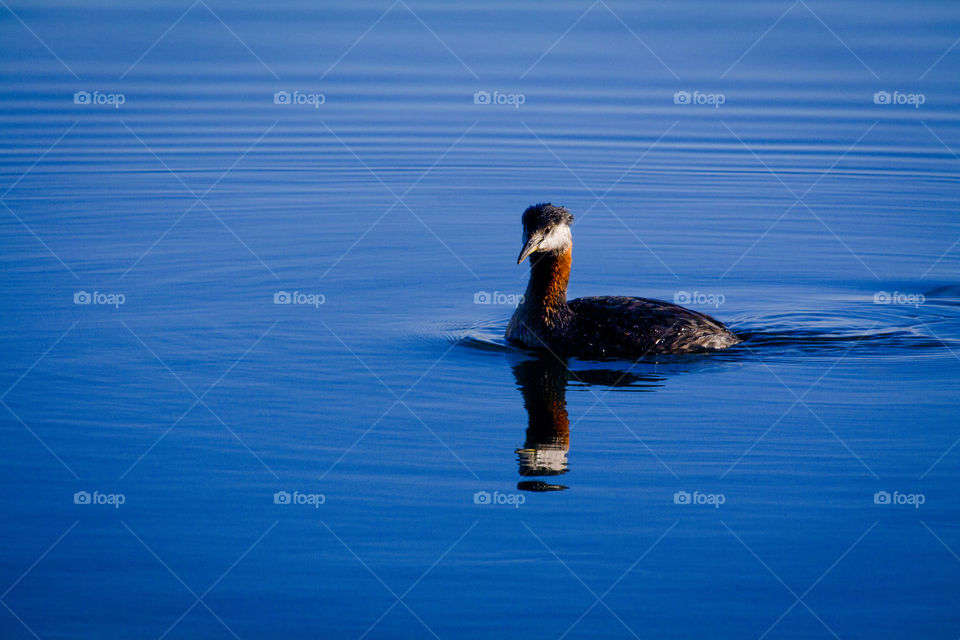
{"x": 398, "y": 200}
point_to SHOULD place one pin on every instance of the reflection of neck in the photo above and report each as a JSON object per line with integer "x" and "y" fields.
{"x": 544, "y": 396}
{"x": 543, "y": 385}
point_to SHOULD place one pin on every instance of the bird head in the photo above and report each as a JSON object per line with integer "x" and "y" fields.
{"x": 546, "y": 229}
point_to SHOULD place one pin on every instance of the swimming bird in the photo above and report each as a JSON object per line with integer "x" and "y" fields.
{"x": 602, "y": 326}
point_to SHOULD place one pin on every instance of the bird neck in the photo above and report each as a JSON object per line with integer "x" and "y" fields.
{"x": 549, "y": 275}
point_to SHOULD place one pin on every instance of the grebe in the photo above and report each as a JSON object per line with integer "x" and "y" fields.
{"x": 601, "y": 326}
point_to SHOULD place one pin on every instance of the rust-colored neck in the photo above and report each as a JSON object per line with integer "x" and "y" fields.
{"x": 549, "y": 275}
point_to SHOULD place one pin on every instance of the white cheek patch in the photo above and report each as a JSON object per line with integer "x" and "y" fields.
{"x": 558, "y": 238}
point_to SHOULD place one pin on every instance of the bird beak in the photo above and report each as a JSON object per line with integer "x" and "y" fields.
{"x": 532, "y": 245}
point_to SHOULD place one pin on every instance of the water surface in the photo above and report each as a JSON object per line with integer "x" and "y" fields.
{"x": 470, "y": 489}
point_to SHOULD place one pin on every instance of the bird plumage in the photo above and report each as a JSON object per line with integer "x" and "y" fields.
{"x": 599, "y": 326}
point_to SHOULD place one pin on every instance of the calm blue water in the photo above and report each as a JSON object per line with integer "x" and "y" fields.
{"x": 166, "y": 447}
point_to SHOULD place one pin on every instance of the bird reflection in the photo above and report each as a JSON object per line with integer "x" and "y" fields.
{"x": 543, "y": 384}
